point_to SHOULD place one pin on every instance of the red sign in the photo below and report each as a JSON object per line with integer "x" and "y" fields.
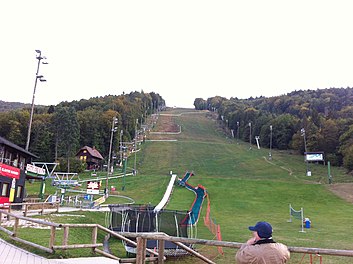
{"x": 9, "y": 171}
{"x": 4, "y": 202}
{"x": 93, "y": 187}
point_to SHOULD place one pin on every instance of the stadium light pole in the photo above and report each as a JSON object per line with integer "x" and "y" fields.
{"x": 113, "y": 130}
{"x": 270, "y": 154}
{"x": 39, "y": 57}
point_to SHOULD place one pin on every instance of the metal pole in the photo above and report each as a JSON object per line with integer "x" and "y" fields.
{"x": 250, "y": 134}
{"x": 238, "y": 132}
{"x": 39, "y": 58}
{"x": 110, "y": 153}
{"x": 306, "y": 160}
{"x": 121, "y": 146}
{"x": 135, "y": 145}
{"x": 270, "y": 154}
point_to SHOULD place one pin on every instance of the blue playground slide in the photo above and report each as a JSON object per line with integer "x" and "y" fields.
{"x": 200, "y": 192}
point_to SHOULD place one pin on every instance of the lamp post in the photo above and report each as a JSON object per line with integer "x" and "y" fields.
{"x": 40, "y": 78}
{"x": 135, "y": 146}
{"x": 238, "y": 132}
{"x": 302, "y": 131}
{"x": 250, "y": 134}
{"x": 270, "y": 154}
{"x": 113, "y": 129}
{"x": 121, "y": 147}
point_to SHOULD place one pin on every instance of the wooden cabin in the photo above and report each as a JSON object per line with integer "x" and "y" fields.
{"x": 13, "y": 162}
{"x": 91, "y": 157}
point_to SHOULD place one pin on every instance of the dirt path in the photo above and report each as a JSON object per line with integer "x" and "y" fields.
{"x": 343, "y": 190}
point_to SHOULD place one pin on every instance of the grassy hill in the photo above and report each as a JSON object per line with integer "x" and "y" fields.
{"x": 243, "y": 186}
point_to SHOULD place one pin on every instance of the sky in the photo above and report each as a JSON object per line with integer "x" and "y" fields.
{"x": 181, "y": 49}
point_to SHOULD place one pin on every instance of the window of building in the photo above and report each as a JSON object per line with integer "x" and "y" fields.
{"x": 19, "y": 192}
{"x": 4, "y": 189}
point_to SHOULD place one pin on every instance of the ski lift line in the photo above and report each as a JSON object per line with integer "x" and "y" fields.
{"x": 104, "y": 178}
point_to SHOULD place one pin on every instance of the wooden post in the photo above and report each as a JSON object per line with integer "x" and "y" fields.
{"x": 52, "y": 237}
{"x": 15, "y": 227}
{"x": 26, "y": 209}
{"x": 9, "y": 210}
{"x": 94, "y": 237}
{"x": 161, "y": 251}
{"x": 141, "y": 250}
{"x": 57, "y": 207}
{"x": 42, "y": 209}
{"x": 66, "y": 236}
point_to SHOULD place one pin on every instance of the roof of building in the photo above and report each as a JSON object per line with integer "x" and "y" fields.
{"x": 92, "y": 151}
{"x": 8, "y": 143}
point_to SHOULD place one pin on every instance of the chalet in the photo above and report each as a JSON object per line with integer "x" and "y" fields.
{"x": 13, "y": 163}
{"x": 90, "y": 156}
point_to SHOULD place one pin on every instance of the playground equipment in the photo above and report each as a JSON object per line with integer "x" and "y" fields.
{"x": 195, "y": 210}
{"x": 298, "y": 215}
{"x": 65, "y": 179}
{"x": 144, "y": 218}
{"x": 167, "y": 194}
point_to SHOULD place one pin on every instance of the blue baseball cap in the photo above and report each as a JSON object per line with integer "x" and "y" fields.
{"x": 263, "y": 229}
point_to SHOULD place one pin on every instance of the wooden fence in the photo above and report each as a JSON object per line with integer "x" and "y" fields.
{"x": 38, "y": 207}
{"x": 140, "y": 244}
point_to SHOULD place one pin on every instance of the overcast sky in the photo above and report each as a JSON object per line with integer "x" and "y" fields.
{"x": 179, "y": 49}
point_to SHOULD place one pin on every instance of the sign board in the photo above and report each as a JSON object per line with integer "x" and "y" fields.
{"x": 314, "y": 156}
{"x": 93, "y": 187}
{"x": 34, "y": 170}
{"x": 9, "y": 171}
{"x": 99, "y": 201}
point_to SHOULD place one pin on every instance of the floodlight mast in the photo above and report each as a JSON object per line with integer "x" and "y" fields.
{"x": 40, "y": 78}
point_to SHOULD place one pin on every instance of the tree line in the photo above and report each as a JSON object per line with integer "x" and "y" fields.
{"x": 324, "y": 115}
{"x": 58, "y": 132}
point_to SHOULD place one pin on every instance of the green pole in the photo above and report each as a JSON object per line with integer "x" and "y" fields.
{"x": 42, "y": 189}
{"x": 329, "y": 172}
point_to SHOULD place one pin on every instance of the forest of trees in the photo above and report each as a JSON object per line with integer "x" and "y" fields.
{"x": 58, "y": 132}
{"x": 325, "y": 114}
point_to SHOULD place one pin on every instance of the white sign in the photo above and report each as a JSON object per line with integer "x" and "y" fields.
{"x": 35, "y": 169}
{"x": 314, "y": 156}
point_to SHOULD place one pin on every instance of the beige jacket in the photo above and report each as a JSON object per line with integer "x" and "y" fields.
{"x": 269, "y": 253}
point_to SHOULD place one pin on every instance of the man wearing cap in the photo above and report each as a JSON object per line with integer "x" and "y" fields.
{"x": 261, "y": 248}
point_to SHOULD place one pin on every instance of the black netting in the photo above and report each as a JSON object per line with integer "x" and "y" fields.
{"x": 142, "y": 218}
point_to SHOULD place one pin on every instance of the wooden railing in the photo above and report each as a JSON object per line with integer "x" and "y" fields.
{"x": 140, "y": 244}
{"x": 40, "y": 207}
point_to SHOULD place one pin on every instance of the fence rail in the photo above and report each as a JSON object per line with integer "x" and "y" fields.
{"x": 140, "y": 244}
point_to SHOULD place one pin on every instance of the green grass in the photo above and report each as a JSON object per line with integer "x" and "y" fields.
{"x": 243, "y": 186}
